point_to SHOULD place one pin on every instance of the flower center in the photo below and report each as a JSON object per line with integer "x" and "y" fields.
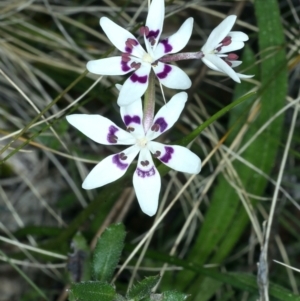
{"x": 142, "y": 142}
{"x": 147, "y": 58}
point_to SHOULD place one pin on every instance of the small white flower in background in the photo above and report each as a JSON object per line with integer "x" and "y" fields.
{"x": 221, "y": 41}
{"x": 135, "y": 58}
{"x": 146, "y": 178}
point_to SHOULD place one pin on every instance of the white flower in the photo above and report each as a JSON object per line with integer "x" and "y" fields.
{"x": 220, "y": 41}
{"x": 135, "y": 58}
{"x": 146, "y": 179}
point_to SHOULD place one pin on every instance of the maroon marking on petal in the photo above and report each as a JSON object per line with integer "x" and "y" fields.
{"x": 125, "y": 57}
{"x": 168, "y": 47}
{"x": 165, "y": 72}
{"x": 134, "y": 119}
{"x": 116, "y": 160}
{"x": 135, "y": 65}
{"x": 226, "y": 41}
{"x": 155, "y": 127}
{"x": 130, "y": 129}
{"x": 140, "y": 79}
{"x": 124, "y": 66}
{"x": 122, "y": 156}
{"x": 153, "y": 33}
{"x": 144, "y": 30}
{"x": 111, "y": 137}
{"x": 145, "y": 173}
{"x": 167, "y": 155}
{"x": 232, "y": 56}
{"x": 161, "y": 123}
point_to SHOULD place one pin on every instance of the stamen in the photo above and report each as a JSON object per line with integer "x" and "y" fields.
{"x": 155, "y": 127}
{"x": 130, "y": 129}
{"x": 152, "y": 41}
{"x": 130, "y": 43}
{"x": 157, "y": 154}
{"x": 113, "y": 139}
{"x": 144, "y": 30}
{"x": 125, "y": 57}
{"x": 122, "y": 156}
{"x": 145, "y": 163}
{"x": 135, "y": 65}
{"x": 226, "y": 41}
{"x": 232, "y": 57}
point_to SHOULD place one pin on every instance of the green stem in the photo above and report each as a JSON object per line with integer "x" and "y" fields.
{"x": 149, "y": 103}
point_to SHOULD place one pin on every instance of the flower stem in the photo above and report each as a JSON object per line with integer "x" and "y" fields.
{"x": 182, "y": 56}
{"x": 149, "y": 103}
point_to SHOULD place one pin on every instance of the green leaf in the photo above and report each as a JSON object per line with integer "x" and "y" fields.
{"x": 143, "y": 289}
{"x": 173, "y": 296}
{"x": 92, "y": 291}
{"x": 108, "y": 251}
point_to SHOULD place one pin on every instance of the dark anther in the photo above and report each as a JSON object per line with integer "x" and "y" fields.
{"x": 232, "y": 57}
{"x": 113, "y": 139}
{"x": 135, "y": 65}
{"x": 144, "y": 30}
{"x": 122, "y": 156}
{"x": 130, "y": 129}
{"x": 226, "y": 41}
{"x": 145, "y": 163}
{"x": 125, "y": 57}
{"x": 157, "y": 154}
{"x": 130, "y": 43}
{"x": 155, "y": 127}
{"x": 152, "y": 40}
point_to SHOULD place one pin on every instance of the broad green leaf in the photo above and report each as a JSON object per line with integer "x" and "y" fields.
{"x": 143, "y": 288}
{"x": 92, "y": 291}
{"x": 108, "y": 251}
{"x": 173, "y": 296}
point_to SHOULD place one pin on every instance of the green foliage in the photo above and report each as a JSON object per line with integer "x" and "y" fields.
{"x": 108, "y": 251}
{"x": 142, "y": 289}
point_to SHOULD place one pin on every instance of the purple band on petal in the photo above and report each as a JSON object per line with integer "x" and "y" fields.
{"x": 116, "y": 160}
{"x": 140, "y": 79}
{"x": 168, "y": 47}
{"x": 134, "y": 119}
{"x": 125, "y": 66}
{"x": 167, "y": 155}
{"x": 165, "y": 72}
{"x": 153, "y": 33}
{"x": 162, "y": 124}
{"x": 111, "y": 137}
{"x": 145, "y": 173}
{"x": 128, "y": 49}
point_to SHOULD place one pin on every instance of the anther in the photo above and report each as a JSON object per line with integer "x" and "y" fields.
{"x": 135, "y": 65}
{"x": 125, "y": 57}
{"x": 130, "y": 43}
{"x": 122, "y": 156}
{"x": 226, "y": 41}
{"x": 130, "y": 129}
{"x": 155, "y": 127}
{"x": 144, "y": 30}
{"x": 232, "y": 57}
{"x": 145, "y": 163}
{"x": 157, "y": 154}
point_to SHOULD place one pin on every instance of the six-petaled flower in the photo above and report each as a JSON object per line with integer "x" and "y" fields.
{"x": 146, "y": 178}
{"x": 220, "y": 41}
{"x": 135, "y": 58}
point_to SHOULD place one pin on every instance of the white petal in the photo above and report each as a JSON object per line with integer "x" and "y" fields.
{"x": 167, "y": 115}
{"x": 235, "y": 63}
{"x": 238, "y": 36}
{"x": 147, "y": 183}
{"x": 244, "y": 75}
{"x": 155, "y": 19}
{"x": 118, "y": 36}
{"x": 218, "y": 34}
{"x": 176, "y": 157}
{"x": 219, "y": 65}
{"x": 100, "y": 129}
{"x": 175, "y": 42}
{"x": 232, "y": 47}
{"x": 132, "y": 116}
{"x": 135, "y": 86}
{"x": 110, "y": 169}
{"x": 171, "y": 76}
{"x": 109, "y": 66}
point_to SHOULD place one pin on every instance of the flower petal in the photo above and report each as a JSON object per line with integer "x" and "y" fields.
{"x": 176, "y": 157}
{"x": 110, "y": 169}
{"x": 244, "y": 75}
{"x": 118, "y": 36}
{"x": 171, "y": 76}
{"x": 175, "y": 42}
{"x": 155, "y": 20}
{"x": 238, "y": 36}
{"x": 100, "y": 129}
{"x": 147, "y": 183}
{"x": 235, "y": 63}
{"x": 132, "y": 116}
{"x": 109, "y": 66}
{"x": 216, "y": 63}
{"x": 135, "y": 86}
{"x": 218, "y": 34}
{"x": 167, "y": 115}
